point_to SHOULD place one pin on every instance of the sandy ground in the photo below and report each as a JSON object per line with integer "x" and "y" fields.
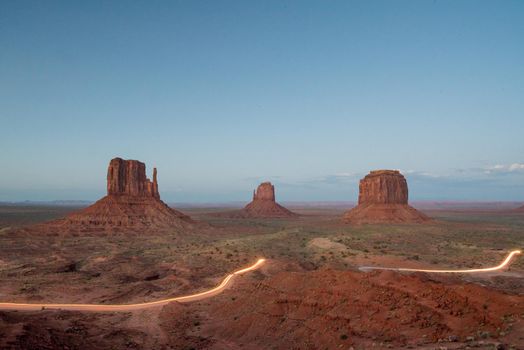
{"x": 316, "y": 255}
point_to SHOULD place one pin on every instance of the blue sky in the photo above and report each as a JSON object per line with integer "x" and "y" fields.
{"x": 220, "y": 95}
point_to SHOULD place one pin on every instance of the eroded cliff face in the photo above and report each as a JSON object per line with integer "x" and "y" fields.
{"x": 132, "y": 204}
{"x": 128, "y": 177}
{"x": 383, "y": 187}
{"x": 383, "y": 198}
{"x": 264, "y": 205}
{"x": 265, "y": 192}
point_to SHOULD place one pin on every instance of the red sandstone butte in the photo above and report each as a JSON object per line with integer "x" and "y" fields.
{"x": 264, "y": 204}
{"x": 132, "y": 203}
{"x": 383, "y": 198}
{"x": 129, "y": 177}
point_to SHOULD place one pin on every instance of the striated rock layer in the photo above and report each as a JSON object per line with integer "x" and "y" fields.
{"x": 264, "y": 192}
{"x": 264, "y": 205}
{"x": 383, "y": 187}
{"x": 128, "y": 177}
{"x": 132, "y": 203}
{"x": 383, "y": 198}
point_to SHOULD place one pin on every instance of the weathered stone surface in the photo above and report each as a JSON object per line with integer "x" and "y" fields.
{"x": 132, "y": 204}
{"x": 264, "y": 192}
{"x": 383, "y": 198}
{"x": 383, "y": 187}
{"x": 128, "y": 177}
{"x": 263, "y": 205}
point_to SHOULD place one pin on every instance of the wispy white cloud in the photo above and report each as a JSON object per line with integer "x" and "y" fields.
{"x": 499, "y": 181}
{"x": 504, "y": 168}
{"x": 420, "y": 173}
{"x": 516, "y": 166}
{"x": 345, "y": 174}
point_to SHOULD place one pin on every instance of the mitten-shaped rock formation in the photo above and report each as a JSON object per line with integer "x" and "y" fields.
{"x": 264, "y": 192}
{"x": 132, "y": 204}
{"x": 383, "y": 198}
{"x": 264, "y": 205}
{"x": 128, "y": 177}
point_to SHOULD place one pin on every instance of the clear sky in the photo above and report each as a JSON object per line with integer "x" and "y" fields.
{"x": 220, "y": 95}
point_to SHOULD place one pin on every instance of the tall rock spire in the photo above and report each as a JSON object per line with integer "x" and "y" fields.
{"x": 156, "y": 194}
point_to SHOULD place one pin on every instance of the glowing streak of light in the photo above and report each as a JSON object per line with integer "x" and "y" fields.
{"x": 487, "y": 269}
{"x": 130, "y": 307}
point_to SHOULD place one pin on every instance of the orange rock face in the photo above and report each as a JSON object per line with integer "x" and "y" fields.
{"x": 265, "y": 192}
{"x": 383, "y": 198}
{"x": 383, "y": 187}
{"x": 128, "y": 177}
{"x": 132, "y": 204}
{"x": 264, "y": 204}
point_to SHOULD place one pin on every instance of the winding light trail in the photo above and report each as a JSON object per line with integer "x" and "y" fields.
{"x": 130, "y": 307}
{"x": 487, "y": 269}
{"x": 218, "y": 289}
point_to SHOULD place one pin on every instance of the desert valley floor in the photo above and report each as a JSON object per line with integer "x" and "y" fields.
{"x": 309, "y": 295}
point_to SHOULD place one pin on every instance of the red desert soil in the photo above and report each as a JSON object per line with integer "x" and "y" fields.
{"x": 132, "y": 204}
{"x": 263, "y": 205}
{"x": 383, "y": 198}
{"x": 284, "y": 307}
{"x": 330, "y": 309}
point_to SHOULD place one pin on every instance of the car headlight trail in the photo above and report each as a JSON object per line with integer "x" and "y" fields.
{"x": 130, "y": 307}
{"x": 504, "y": 264}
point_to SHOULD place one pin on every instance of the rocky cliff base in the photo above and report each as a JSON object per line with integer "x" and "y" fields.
{"x": 385, "y": 213}
{"x": 132, "y": 204}
{"x": 121, "y": 214}
{"x": 383, "y": 198}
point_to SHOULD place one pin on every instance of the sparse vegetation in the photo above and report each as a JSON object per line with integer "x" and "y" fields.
{"x": 125, "y": 268}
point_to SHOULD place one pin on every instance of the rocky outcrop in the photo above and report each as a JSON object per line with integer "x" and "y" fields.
{"x": 383, "y": 198}
{"x": 383, "y": 187}
{"x": 128, "y": 177}
{"x": 132, "y": 203}
{"x": 335, "y": 309}
{"x": 263, "y": 205}
{"x": 264, "y": 192}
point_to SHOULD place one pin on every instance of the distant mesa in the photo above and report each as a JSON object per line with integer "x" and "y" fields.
{"x": 383, "y": 198}
{"x": 263, "y": 205}
{"x": 132, "y": 203}
{"x": 264, "y": 192}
